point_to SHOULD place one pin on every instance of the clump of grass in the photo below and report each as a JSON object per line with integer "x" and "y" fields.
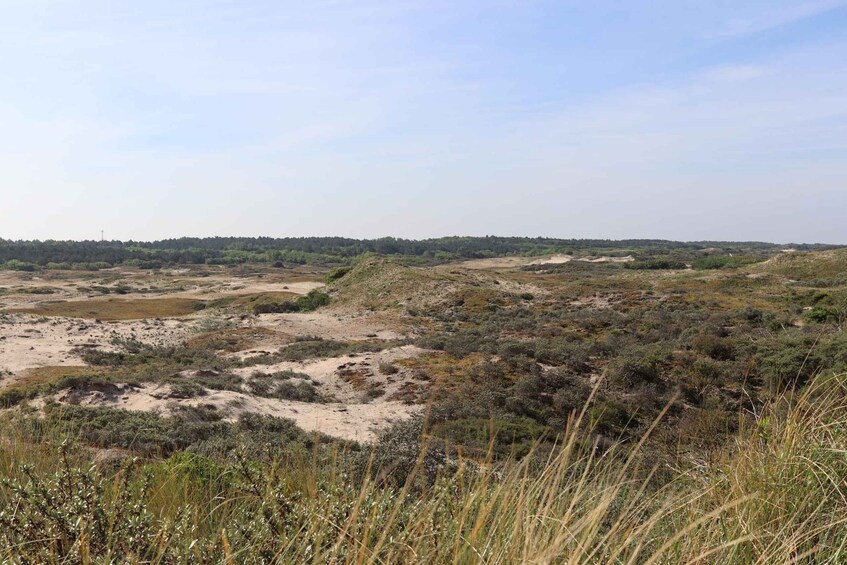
{"x": 336, "y": 273}
{"x": 285, "y": 385}
{"x": 230, "y": 339}
{"x": 313, "y": 347}
{"x": 387, "y": 368}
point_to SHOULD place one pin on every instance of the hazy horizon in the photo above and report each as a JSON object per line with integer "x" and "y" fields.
{"x": 332, "y": 236}
{"x": 677, "y": 121}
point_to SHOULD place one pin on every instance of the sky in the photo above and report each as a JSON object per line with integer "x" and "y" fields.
{"x": 673, "y": 119}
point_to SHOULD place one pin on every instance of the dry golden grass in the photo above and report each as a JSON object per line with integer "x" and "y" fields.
{"x": 777, "y": 496}
{"x": 47, "y": 375}
{"x": 448, "y": 370}
{"x": 112, "y": 309}
{"x": 238, "y": 339}
{"x": 806, "y": 265}
{"x": 476, "y": 300}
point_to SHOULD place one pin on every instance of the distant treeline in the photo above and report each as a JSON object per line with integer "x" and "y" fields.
{"x": 29, "y": 255}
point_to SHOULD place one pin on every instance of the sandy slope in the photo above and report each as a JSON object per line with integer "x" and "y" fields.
{"x": 359, "y": 422}
{"x": 517, "y": 262}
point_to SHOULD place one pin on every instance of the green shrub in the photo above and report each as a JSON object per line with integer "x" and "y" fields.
{"x": 281, "y": 387}
{"x": 312, "y": 348}
{"x": 719, "y": 348}
{"x": 658, "y": 263}
{"x": 185, "y": 388}
{"x": 13, "y": 396}
{"x": 388, "y": 368}
{"x": 507, "y": 435}
{"x": 636, "y": 367}
{"x": 15, "y": 265}
{"x": 822, "y": 314}
{"x": 610, "y": 417}
{"x": 48, "y": 512}
{"x": 724, "y": 262}
{"x": 336, "y": 273}
{"x": 312, "y": 301}
{"x": 198, "y": 429}
{"x": 219, "y": 381}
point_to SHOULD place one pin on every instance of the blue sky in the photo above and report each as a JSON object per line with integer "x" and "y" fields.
{"x": 669, "y": 119}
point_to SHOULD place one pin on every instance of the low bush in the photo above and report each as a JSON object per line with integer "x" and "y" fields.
{"x": 15, "y": 265}
{"x": 336, "y": 273}
{"x": 503, "y": 437}
{"x": 387, "y": 368}
{"x": 659, "y": 263}
{"x": 282, "y": 387}
{"x": 724, "y": 262}
{"x": 312, "y": 348}
{"x": 311, "y": 301}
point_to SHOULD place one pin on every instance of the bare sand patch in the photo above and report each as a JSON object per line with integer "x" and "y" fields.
{"x": 221, "y": 289}
{"x": 517, "y": 262}
{"x": 492, "y": 263}
{"x": 336, "y": 324}
{"x": 553, "y": 260}
{"x": 358, "y": 422}
{"x": 29, "y": 342}
{"x": 349, "y": 378}
{"x": 42, "y": 345}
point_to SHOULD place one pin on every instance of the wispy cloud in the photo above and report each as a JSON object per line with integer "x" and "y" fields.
{"x": 775, "y": 16}
{"x": 733, "y": 73}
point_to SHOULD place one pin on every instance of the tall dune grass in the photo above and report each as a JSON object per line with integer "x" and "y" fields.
{"x": 777, "y": 495}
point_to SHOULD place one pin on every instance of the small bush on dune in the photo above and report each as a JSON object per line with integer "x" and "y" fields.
{"x": 312, "y": 301}
{"x": 16, "y": 265}
{"x": 658, "y": 263}
{"x": 388, "y": 368}
{"x": 271, "y": 386}
{"x": 337, "y": 273}
{"x": 313, "y": 348}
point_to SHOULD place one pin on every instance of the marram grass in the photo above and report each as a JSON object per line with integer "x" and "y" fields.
{"x": 777, "y": 495}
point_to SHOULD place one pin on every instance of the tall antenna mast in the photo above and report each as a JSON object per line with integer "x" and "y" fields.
{"x": 101, "y": 235}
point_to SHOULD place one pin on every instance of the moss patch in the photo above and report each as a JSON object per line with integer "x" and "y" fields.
{"x": 112, "y": 309}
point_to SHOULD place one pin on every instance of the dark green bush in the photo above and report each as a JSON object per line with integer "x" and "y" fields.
{"x": 822, "y": 314}
{"x": 659, "y": 263}
{"x": 281, "y": 387}
{"x": 336, "y": 273}
{"x": 312, "y": 301}
{"x": 313, "y": 348}
{"x": 506, "y": 435}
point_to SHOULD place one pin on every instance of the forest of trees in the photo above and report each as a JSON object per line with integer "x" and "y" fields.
{"x": 28, "y": 255}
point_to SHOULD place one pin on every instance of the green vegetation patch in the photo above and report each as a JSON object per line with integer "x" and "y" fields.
{"x": 312, "y": 301}
{"x": 314, "y": 348}
{"x": 112, "y": 309}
